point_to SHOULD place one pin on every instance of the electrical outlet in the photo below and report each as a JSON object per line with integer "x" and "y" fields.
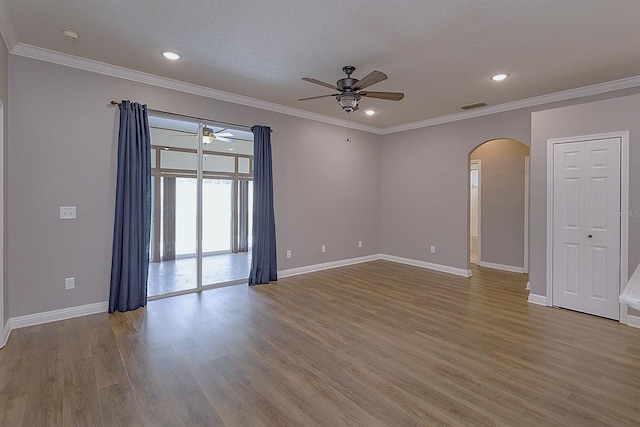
{"x": 324, "y": 249}
{"x": 359, "y": 243}
{"x": 289, "y": 253}
{"x": 70, "y": 283}
{"x": 433, "y": 249}
{"x": 67, "y": 212}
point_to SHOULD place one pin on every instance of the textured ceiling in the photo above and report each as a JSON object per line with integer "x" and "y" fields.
{"x": 440, "y": 53}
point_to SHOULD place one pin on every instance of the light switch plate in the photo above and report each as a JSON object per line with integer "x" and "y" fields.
{"x": 67, "y": 212}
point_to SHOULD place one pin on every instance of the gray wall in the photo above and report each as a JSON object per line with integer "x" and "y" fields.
{"x": 4, "y": 98}
{"x": 62, "y": 152}
{"x": 502, "y": 201}
{"x": 620, "y": 114}
{"x": 399, "y": 193}
{"x": 425, "y": 188}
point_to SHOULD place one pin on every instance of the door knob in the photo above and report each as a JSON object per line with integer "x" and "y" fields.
{"x": 589, "y": 236}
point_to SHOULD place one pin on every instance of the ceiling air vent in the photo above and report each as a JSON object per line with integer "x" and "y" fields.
{"x": 472, "y": 106}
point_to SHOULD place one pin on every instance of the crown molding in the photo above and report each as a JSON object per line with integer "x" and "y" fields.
{"x": 523, "y": 103}
{"x": 47, "y": 55}
{"x": 7, "y": 30}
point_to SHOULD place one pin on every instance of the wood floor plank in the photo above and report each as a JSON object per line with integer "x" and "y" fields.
{"x": 373, "y": 344}
{"x": 81, "y": 402}
{"x": 189, "y": 400}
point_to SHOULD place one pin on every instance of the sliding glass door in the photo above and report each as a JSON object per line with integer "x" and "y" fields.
{"x": 202, "y": 200}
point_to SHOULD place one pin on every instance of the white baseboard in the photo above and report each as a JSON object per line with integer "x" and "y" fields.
{"x": 55, "y": 315}
{"x": 502, "y": 267}
{"x": 341, "y": 263}
{"x": 633, "y": 321}
{"x": 431, "y": 266}
{"x": 326, "y": 266}
{"x": 537, "y": 299}
{"x": 6, "y": 331}
{"x": 528, "y": 287}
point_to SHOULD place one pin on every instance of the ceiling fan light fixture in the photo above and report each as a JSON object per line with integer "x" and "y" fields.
{"x": 207, "y": 135}
{"x": 348, "y": 101}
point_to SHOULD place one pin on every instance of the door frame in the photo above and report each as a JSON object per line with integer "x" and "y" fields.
{"x": 624, "y": 209}
{"x": 4, "y": 327}
{"x": 527, "y": 167}
{"x": 479, "y": 163}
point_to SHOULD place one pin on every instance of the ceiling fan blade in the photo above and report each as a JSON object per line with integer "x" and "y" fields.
{"x": 318, "y": 82}
{"x": 316, "y": 97}
{"x": 223, "y": 139}
{"x": 223, "y": 134}
{"x": 370, "y": 79}
{"x": 392, "y": 96}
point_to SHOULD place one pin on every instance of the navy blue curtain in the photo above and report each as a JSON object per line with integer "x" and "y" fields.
{"x": 130, "y": 256}
{"x": 264, "y": 267}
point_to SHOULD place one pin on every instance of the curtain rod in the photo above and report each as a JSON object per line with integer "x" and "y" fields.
{"x": 210, "y": 121}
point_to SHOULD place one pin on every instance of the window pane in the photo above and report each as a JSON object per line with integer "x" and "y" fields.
{"x": 243, "y": 165}
{"x": 250, "y": 215}
{"x": 186, "y": 203}
{"x": 178, "y": 160}
{"x": 213, "y": 163}
{"x": 216, "y": 215}
{"x": 153, "y": 158}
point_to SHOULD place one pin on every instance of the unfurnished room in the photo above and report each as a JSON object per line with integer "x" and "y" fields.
{"x": 320, "y": 213}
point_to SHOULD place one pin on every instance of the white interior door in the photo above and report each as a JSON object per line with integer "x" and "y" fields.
{"x": 586, "y": 226}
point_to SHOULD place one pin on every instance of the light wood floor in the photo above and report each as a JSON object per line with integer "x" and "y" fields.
{"x": 375, "y": 344}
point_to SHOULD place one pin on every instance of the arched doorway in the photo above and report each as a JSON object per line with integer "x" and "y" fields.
{"x": 498, "y": 205}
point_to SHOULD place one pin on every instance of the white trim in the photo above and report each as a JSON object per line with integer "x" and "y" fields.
{"x": 2, "y": 221}
{"x": 42, "y": 54}
{"x": 527, "y": 171}
{"x": 7, "y": 29}
{"x": 580, "y": 92}
{"x": 56, "y": 315}
{"x": 633, "y": 321}
{"x": 537, "y": 299}
{"x": 624, "y": 221}
{"x": 624, "y": 207}
{"x": 6, "y": 331}
{"x": 428, "y": 265}
{"x": 47, "y": 55}
{"x": 326, "y": 266}
{"x": 528, "y": 287}
{"x": 502, "y": 267}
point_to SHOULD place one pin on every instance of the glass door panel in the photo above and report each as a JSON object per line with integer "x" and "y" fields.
{"x": 173, "y": 261}
{"x": 202, "y": 196}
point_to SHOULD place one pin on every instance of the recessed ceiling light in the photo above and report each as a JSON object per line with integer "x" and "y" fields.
{"x": 369, "y": 112}
{"x": 71, "y": 35}
{"x": 230, "y": 149}
{"x": 171, "y": 55}
{"x": 499, "y": 77}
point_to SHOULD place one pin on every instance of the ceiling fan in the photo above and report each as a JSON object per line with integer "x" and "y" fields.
{"x": 208, "y": 135}
{"x": 351, "y": 89}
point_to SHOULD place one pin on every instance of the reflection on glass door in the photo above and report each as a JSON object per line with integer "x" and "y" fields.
{"x": 227, "y": 171}
{"x": 202, "y": 194}
{"x": 216, "y": 216}
{"x": 173, "y": 266}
